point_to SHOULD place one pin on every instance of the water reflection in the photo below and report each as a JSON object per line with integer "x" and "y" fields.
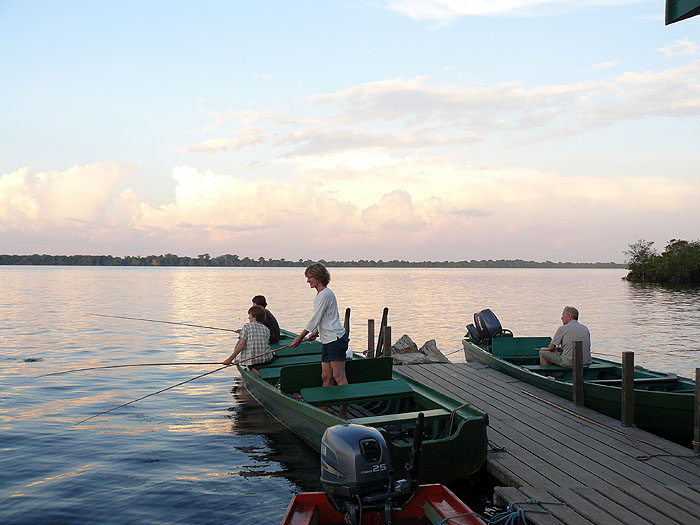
{"x": 189, "y": 446}
{"x": 299, "y": 462}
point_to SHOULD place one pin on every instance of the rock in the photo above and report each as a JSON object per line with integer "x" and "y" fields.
{"x": 405, "y": 345}
{"x": 405, "y": 354}
{"x": 430, "y": 349}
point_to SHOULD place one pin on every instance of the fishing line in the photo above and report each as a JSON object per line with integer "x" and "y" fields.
{"x": 165, "y": 322}
{"x": 180, "y": 383}
{"x": 124, "y": 366}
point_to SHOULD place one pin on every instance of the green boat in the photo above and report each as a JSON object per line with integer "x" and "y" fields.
{"x": 664, "y": 403}
{"x": 290, "y": 389}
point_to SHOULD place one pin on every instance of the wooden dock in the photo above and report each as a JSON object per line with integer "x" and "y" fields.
{"x": 581, "y": 467}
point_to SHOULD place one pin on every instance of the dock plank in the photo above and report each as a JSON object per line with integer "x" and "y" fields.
{"x": 554, "y": 451}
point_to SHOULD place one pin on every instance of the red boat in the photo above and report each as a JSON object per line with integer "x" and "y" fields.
{"x": 430, "y": 505}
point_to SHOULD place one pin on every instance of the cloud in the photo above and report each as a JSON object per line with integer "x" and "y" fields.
{"x": 604, "y": 65}
{"x": 418, "y": 207}
{"x": 248, "y": 137}
{"x": 446, "y": 10}
{"x": 680, "y": 47}
{"x": 413, "y": 114}
{"x": 80, "y": 193}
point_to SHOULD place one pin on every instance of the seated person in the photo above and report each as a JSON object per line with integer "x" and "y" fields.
{"x": 253, "y": 344}
{"x": 561, "y": 349}
{"x": 270, "y": 320}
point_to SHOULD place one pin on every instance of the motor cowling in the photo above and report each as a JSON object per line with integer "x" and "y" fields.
{"x": 486, "y": 326}
{"x": 355, "y": 462}
{"x": 356, "y": 471}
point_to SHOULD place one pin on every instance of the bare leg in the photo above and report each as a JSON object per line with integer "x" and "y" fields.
{"x": 338, "y": 368}
{"x": 326, "y": 377}
{"x": 543, "y": 361}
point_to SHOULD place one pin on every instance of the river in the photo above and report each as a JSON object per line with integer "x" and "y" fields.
{"x": 206, "y": 451}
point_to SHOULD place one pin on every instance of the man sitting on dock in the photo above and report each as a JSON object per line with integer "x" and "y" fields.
{"x": 561, "y": 349}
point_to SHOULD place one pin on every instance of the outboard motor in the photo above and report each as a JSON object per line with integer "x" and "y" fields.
{"x": 486, "y": 326}
{"x": 356, "y": 471}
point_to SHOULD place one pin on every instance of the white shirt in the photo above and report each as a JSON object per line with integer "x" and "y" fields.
{"x": 325, "y": 317}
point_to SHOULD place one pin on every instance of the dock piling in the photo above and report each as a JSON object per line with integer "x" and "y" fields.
{"x": 387, "y": 341}
{"x": 577, "y": 373}
{"x": 627, "y": 394}
{"x": 696, "y": 428}
{"x": 370, "y": 338}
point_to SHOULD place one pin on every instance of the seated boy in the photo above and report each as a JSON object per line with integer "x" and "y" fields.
{"x": 253, "y": 346}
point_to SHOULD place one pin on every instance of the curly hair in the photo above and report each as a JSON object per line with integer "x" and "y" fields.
{"x": 318, "y": 271}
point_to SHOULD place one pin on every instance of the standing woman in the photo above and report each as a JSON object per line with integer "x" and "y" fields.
{"x": 325, "y": 324}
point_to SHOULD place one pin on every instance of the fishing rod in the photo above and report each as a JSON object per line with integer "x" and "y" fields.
{"x": 124, "y": 366}
{"x": 181, "y": 383}
{"x": 165, "y": 322}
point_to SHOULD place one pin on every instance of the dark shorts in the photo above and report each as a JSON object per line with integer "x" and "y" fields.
{"x": 335, "y": 351}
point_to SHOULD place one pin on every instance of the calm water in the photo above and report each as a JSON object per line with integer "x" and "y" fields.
{"x": 206, "y": 451}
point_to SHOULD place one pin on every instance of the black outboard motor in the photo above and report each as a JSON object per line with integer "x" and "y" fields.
{"x": 356, "y": 471}
{"x": 486, "y": 326}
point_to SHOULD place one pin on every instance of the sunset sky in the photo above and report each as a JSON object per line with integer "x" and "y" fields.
{"x": 558, "y": 130}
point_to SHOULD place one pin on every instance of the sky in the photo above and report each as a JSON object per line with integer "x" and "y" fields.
{"x": 559, "y": 130}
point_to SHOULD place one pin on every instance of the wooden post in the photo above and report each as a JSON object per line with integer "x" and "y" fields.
{"x": 577, "y": 374}
{"x": 387, "y": 341}
{"x": 370, "y": 337}
{"x": 696, "y": 431}
{"x": 346, "y": 325}
{"x": 380, "y": 337}
{"x": 627, "y": 395}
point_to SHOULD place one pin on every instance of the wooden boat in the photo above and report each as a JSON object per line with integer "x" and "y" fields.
{"x": 290, "y": 389}
{"x": 431, "y": 504}
{"x": 663, "y": 403}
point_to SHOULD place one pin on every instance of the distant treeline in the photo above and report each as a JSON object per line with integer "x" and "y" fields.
{"x": 228, "y": 260}
{"x": 678, "y": 264}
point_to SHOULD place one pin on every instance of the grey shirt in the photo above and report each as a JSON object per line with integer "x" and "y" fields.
{"x": 565, "y": 336}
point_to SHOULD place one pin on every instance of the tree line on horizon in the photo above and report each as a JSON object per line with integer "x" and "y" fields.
{"x": 679, "y": 263}
{"x": 228, "y": 260}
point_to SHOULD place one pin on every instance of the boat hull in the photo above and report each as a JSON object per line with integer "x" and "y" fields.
{"x": 666, "y": 414}
{"x": 431, "y": 504}
{"x": 456, "y": 450}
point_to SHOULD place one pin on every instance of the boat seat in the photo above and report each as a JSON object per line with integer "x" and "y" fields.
{"x": 291, "y": 360}
{"x": 518, "y": 347}
{"x": 300, "y": 350}
{"x": 397, "y": 419}
{"x": 356, "y": 392}
{"x": 294, "y": 378}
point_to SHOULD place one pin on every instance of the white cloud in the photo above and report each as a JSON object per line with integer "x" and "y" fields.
{"x": 604, "y": 65}
{"x": 680, "y": 47}
{"x": 414, "y": 207}
{"x": 446, "y": 10}
{"x": 248, "y": 137}
{"x": 80, "y": 193}
{"x": 412, "y": 114}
